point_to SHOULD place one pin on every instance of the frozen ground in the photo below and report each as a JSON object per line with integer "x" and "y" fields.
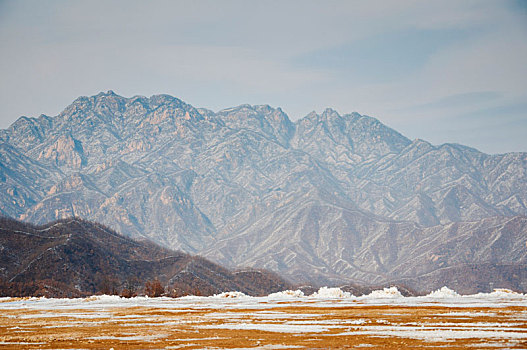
{"x": 325, "y": 296}
{"x": 329, "y": 318}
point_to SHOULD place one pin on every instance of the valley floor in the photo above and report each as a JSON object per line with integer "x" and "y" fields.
{"x": 282, "y": 321}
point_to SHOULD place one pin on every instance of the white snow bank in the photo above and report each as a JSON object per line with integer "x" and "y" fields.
{"x": 434, "y": 334}
{"x": 502, "y": 292}
{"x": 499, "y": 293}
{"x": 326, "y": 292}
{"x": 325, "y": 295}
{"x": 468, "y": 314}
{"x": 444, "y": 292}
{"x": 105, "y": 297}
{"x": 391, "y": 292}
{"x": 230, "y": 295}
{"x": 131, "y": 337}
{"x": 286, "y": 294}
{"x": 272, "y": 327}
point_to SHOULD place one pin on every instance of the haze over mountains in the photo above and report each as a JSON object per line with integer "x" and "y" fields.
{"x": 329, "y": 198}
{"x": 74, "y": 257}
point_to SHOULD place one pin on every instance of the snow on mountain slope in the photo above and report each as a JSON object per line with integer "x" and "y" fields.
{"x": 327, "y": 198}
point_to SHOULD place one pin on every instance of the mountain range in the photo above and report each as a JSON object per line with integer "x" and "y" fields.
{"x": 326, "y": 199}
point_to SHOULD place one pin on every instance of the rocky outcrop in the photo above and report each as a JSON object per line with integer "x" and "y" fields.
{"x": 329, "y": 197}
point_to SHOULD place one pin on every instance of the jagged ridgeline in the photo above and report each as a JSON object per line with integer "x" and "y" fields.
{"x": 328, "y": 199}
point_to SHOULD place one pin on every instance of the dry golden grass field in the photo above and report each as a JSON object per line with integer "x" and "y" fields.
{"x": 260, "y": 323}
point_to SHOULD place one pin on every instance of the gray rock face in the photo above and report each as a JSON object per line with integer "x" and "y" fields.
{"x": 330, "y": 198}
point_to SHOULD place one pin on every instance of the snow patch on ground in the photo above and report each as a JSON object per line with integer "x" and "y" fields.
{"x": 230, "y": 295}
{"x": 505, "y": 293}
{"x": 270, "y": 347}
{"x": 331, "y": 293}
{"x": 19, "y": 343}
{"x": 434, "y": 334}
{"x": 235, "y": 300}
{"x": 389, "y": 293}
{"x": 271, "y": 314}
{"x": 131, "y": 337}
{"x": 329, "y": 322}
{"x": 272, "y": 327}
{"x": 469, "y": 314}
{"x": 259, "y": 315}
{"x": 72, "y": 315}
{"x": 444, "y": 292}
{"x": 505, "y": 345}
{"x": 286, "y": 294}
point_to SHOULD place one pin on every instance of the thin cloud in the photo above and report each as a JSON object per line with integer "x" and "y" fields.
{"x": 381, "y": 58}
{"x": 455, "y": 101}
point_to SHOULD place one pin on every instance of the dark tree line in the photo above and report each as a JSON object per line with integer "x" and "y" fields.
{"x": 75, "y": 258}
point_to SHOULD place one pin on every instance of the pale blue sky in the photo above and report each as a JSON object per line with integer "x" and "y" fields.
{"x": 444, "y": 71}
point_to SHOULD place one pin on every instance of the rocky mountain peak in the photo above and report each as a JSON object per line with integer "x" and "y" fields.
{"x": 273, "y": 122}
{"x": 155, "y": 101}
{"x": 107, "y": 93}
{"x": 333, "y": 197}
{"x": 330, "y": 113}
{"x": 421, "y": 145}
{"x": 102, "y": 102}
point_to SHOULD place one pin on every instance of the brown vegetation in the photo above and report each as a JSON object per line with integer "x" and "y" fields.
{"x": 202, "y": 328}
{"x": 74, "y": 257}
{"x": 154, "y": 288}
